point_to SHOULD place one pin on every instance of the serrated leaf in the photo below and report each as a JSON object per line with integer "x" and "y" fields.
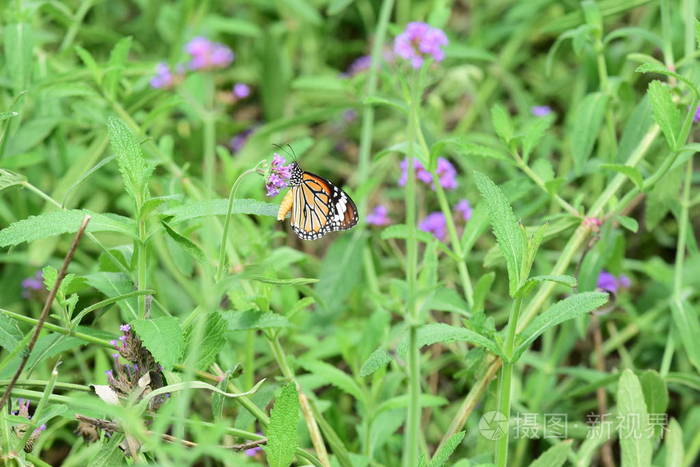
{"x": 569, "y": 308}
{"x": 665, "y": 111}
{"x": 443, "y": 454}
{"x": 468, "y": 148}
{"x": 629, "y": 223}
{"x": 163, "y": 338}
{"x": 631, "y": 172}
{"x": 554, "y": 456}
{"x": 656, "y": 67}
{"x": 633, "y": 428}
{"x": 115, "y": 66}
{"x": 54, "y": 223}
{"x": 585, "y": 125}
{"x": 440, "y": 332}
{"x": 510, "y": 236}
{"x": 376, "y": 361}
{"x": 253, "y": 319}
{"x": 282, "y": 438}
{"x": 10, "y": 334}
{"x": 533, "y": 134}
{"x": 212, "y": 340}
{"x": 568, "y": 281}
{"x": 334, "y": 376}
{"x": 502, "y": 123}
{"x": 134, "y": 168}
{"x": 218, "y": 207}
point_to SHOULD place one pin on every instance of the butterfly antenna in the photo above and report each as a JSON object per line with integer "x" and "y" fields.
{"x": 294, "y": 158}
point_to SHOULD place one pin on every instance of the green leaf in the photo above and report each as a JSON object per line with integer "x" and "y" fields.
{"x": 134, "y": 168}
{"x": 502, "y": 123}
{"x": 629, "y": 223}
{"x": 472, "y": 149}
{"x": 569, "y": 308}
{"x": 217, "y": 207}
{"x": 534, "y": 132}
{"x": 376, "y": 361}
{"x": 186, "y": 385}
{"x": 90, "y": 63}
{"x": 55, "y": 223}
{"x": 114, "y": 284}
{"x": 631, "y": 172}
{"x": 688, "y": 326}
{"x": 655, "y": 396}
{"x": 282, "y": 430}
{"x": 665, "y": 111}
{"x": 10, "y": 334}
{"x": 18, "y": 40}
{"x": 253, "y": 319}
{"x": 233, "y": 25}
{"x": 674, "y": 440}
{"x": 443, "y": 454}
{"x": 6, "y": 115}
{"x": 213, "y": 339}
{"x": 337, "y": 6}
{"x": 633, "y": 428}
{"x": 163, "y": 338}
{"x": 340, "y": 272}
{"x": 663, "y": 197}
{"x": 188, "y": 245}
{"x": 554, "y": 456}
{"x": 440, "y": 332}
{"x": 653, "y": 67}
{"x": 401, "y": 231}
{"x": 115, "y": 66}
{"x": 508, "y": 232}
{"x": 568, "y": 281}
{"x": 8, "y": 179}
{"x": 334, "y": 376}
{"x": 585, "y": 125}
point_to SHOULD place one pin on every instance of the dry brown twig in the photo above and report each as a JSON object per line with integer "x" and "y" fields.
{"x": 45, "y": 311}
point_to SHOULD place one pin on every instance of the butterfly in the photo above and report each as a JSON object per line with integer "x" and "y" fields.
{"x": 317, "y": 206}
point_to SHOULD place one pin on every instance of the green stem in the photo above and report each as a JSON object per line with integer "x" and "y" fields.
{"x": 209, "y": 153}
{"x": 540, "y": 183}
{"x": 59, "y": 329}
{"x": 227, "y": 223}
{"x": 142, "y": 266}
{"x": 682, "y": 233}
{"x": 410, "y": 456}
{"x": 505, "y": 383}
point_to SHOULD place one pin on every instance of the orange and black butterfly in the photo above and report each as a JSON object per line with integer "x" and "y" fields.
{"x": 317, "y": 206}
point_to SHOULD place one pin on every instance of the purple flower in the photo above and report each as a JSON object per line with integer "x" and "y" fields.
{"x": 696, "y": 118}
{"x": 125, "y": 328}
{"x": 446, "y": 173}
{"x": 435, "y": 224}
{"x": 541, "y": 110}
{"x": 421, "y": 174}
{"x": 252, "y": 451}
{"x": 237, "y": 142}
{"x": 419, "y": 40}
{"x": 164, "y": 78}
{"x": 207, "y": 54}
{"x": 279, "y": 175}
{"x": 33, "y": 284}
{"x": 379, "y": 216}
{"x": 359, "y": 65}
{"x": 464, "y": 209}
{"x": 607, "y": 281}
{"x": 241, "y": 90}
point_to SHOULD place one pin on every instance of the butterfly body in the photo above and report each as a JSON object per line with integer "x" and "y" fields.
{"x": 317, "y": 206}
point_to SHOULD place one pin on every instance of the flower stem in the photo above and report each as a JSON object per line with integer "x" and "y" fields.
{"x": 505, "y": 383}
{"x": 413, "y": 417}
{"x": 227, "y": 222}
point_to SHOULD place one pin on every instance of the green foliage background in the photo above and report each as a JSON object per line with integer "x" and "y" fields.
{"x": 380, "y": 346}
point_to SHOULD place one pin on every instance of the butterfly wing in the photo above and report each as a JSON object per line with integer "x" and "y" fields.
{"x": 320, "y": 207}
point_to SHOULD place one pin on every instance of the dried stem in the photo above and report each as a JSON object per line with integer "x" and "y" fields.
{"x": 45, "y": 310}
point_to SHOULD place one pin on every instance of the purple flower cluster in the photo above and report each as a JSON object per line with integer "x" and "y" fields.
{"x": 446, "y": 172}
{"x": 436, "y": 224}
{"x": 20, "y": 429}
{"x": 696, "y": 117}
{"x": 379, "y": 216}
{"x": 608, "y": 281}
{"x": 165, "y": 78}
{"x": 33, "y": 285}
{"x": 120, "y": 343}
{"x": 464, "y": 209}
{"x": 207, "y": 54}
{"x": 278, "y": 176}
{"x": 241, "y": 90}
{"x": 240, "y": 139}
{"x": 359, "y": 65}
{"x": 541, "y": 110}
{"x": 418, "y": 41}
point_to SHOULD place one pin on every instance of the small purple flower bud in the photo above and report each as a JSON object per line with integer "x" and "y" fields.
{"x": 541, "y": 110}
{"x": 379, "y": 216}
{"x": 125, "y": 328}
{"x": 436, "y": 224}
{"x": 241, "y": 90}
{"x": 464, "y": 209}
